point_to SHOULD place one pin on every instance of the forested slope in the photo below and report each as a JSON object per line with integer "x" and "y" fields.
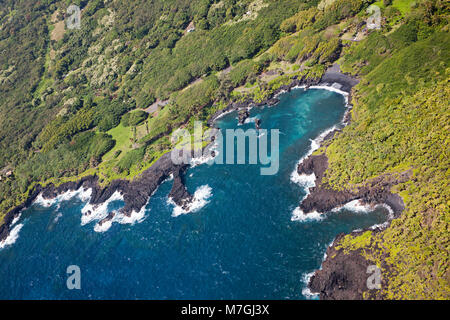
{"x": 104, "y": 99}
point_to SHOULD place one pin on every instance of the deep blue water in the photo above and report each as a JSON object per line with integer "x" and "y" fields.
{"x": 240, "y": 245}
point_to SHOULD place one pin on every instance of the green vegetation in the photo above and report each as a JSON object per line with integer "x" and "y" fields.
{"x": 54, "y": 89}
{"x": 78, "y": 103}
{"x": 134, "y": 118}
{"x": 400, "y": 123}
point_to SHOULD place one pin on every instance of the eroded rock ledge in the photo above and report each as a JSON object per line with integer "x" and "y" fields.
{"x": 323, "y": 198}
{"x": 343, "y": 275}
{"x": 136, "y": 192}
{"x": 179, "y": 193}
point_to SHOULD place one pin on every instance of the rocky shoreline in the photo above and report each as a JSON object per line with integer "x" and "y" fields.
{"x": 343, "y": 275}
{"x": 135, "y": 192}
{"x": 338, "y": 278}
{"x": 322, "y": 198}
{"x": 243, "y": 106}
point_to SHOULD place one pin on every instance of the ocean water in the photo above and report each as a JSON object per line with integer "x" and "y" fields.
{"x": 241, "y": 242}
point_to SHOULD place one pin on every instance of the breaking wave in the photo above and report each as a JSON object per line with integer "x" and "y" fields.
{"x": 200, "y": 199}
{"x": 306, "y": 291}
{"x": 12, "y": 237}
{"x": 299, "y": 215}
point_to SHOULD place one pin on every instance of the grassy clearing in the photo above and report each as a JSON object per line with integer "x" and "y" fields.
{"x": 404, "y": 6}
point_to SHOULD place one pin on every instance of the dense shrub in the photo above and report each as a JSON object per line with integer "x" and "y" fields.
{"x": 133, "y": 118}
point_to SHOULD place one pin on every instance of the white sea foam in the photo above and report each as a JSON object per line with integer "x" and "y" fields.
{"x": 305, "y": 180}
{"x": 16, "y": 219}
{"x": 40, "y": 200}
{"x": 247, "y": 120}
{"x": 59, "y": 215}
{"x": 331, "y": 88}
{"x": 103, "y": 227}
{"x": 46, "y": 203}
{"x": 315, "y": 145}
{"x": 250, "y": 119}
{"x": 12, "y": 237}
{"x": 200, "y": 199}
{"x": 360, "y": 207}
{"x": 206, "y": 156}
{"x": 389, "y": 209}
{"x": 355, "y": 206}
{"x": 306, "y": 291}
{"x": 135, "y": 217}
{"x": 81, "y": 193}
{"x": 307, "y": 277}
{"x": 91, "y": 212}
{"x": 223, "y": 114}
{"x": 85, "y": 194}
{"x": 390, "y": 217}
{"x": 299, "y": 215}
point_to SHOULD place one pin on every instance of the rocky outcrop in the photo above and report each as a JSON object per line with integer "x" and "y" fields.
{"x": 109, "y": 217}
{"x": 243, "y": 115}
{"x": 258, "y": 124}
{"x": 274, "y": 101}
{"x": 344, "y": 277}
{"x": 179, "y": 194}
{"x": 322, "y": 198}
{"x": 136, "y": 193}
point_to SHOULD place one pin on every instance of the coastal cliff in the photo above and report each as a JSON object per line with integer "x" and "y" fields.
{"x": 136, "y": 193}
{"x": 343, "y": 274}
{"x": 323, "y": 198}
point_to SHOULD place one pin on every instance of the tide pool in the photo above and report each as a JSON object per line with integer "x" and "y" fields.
{"x": 240, "y": 243}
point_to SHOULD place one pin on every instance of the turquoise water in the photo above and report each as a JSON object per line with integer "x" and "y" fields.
{"x": 242, "y": 244}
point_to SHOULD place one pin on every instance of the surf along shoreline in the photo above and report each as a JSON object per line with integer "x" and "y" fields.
{"x": 137, "y": 192}
{"x": 343, "y": 275}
